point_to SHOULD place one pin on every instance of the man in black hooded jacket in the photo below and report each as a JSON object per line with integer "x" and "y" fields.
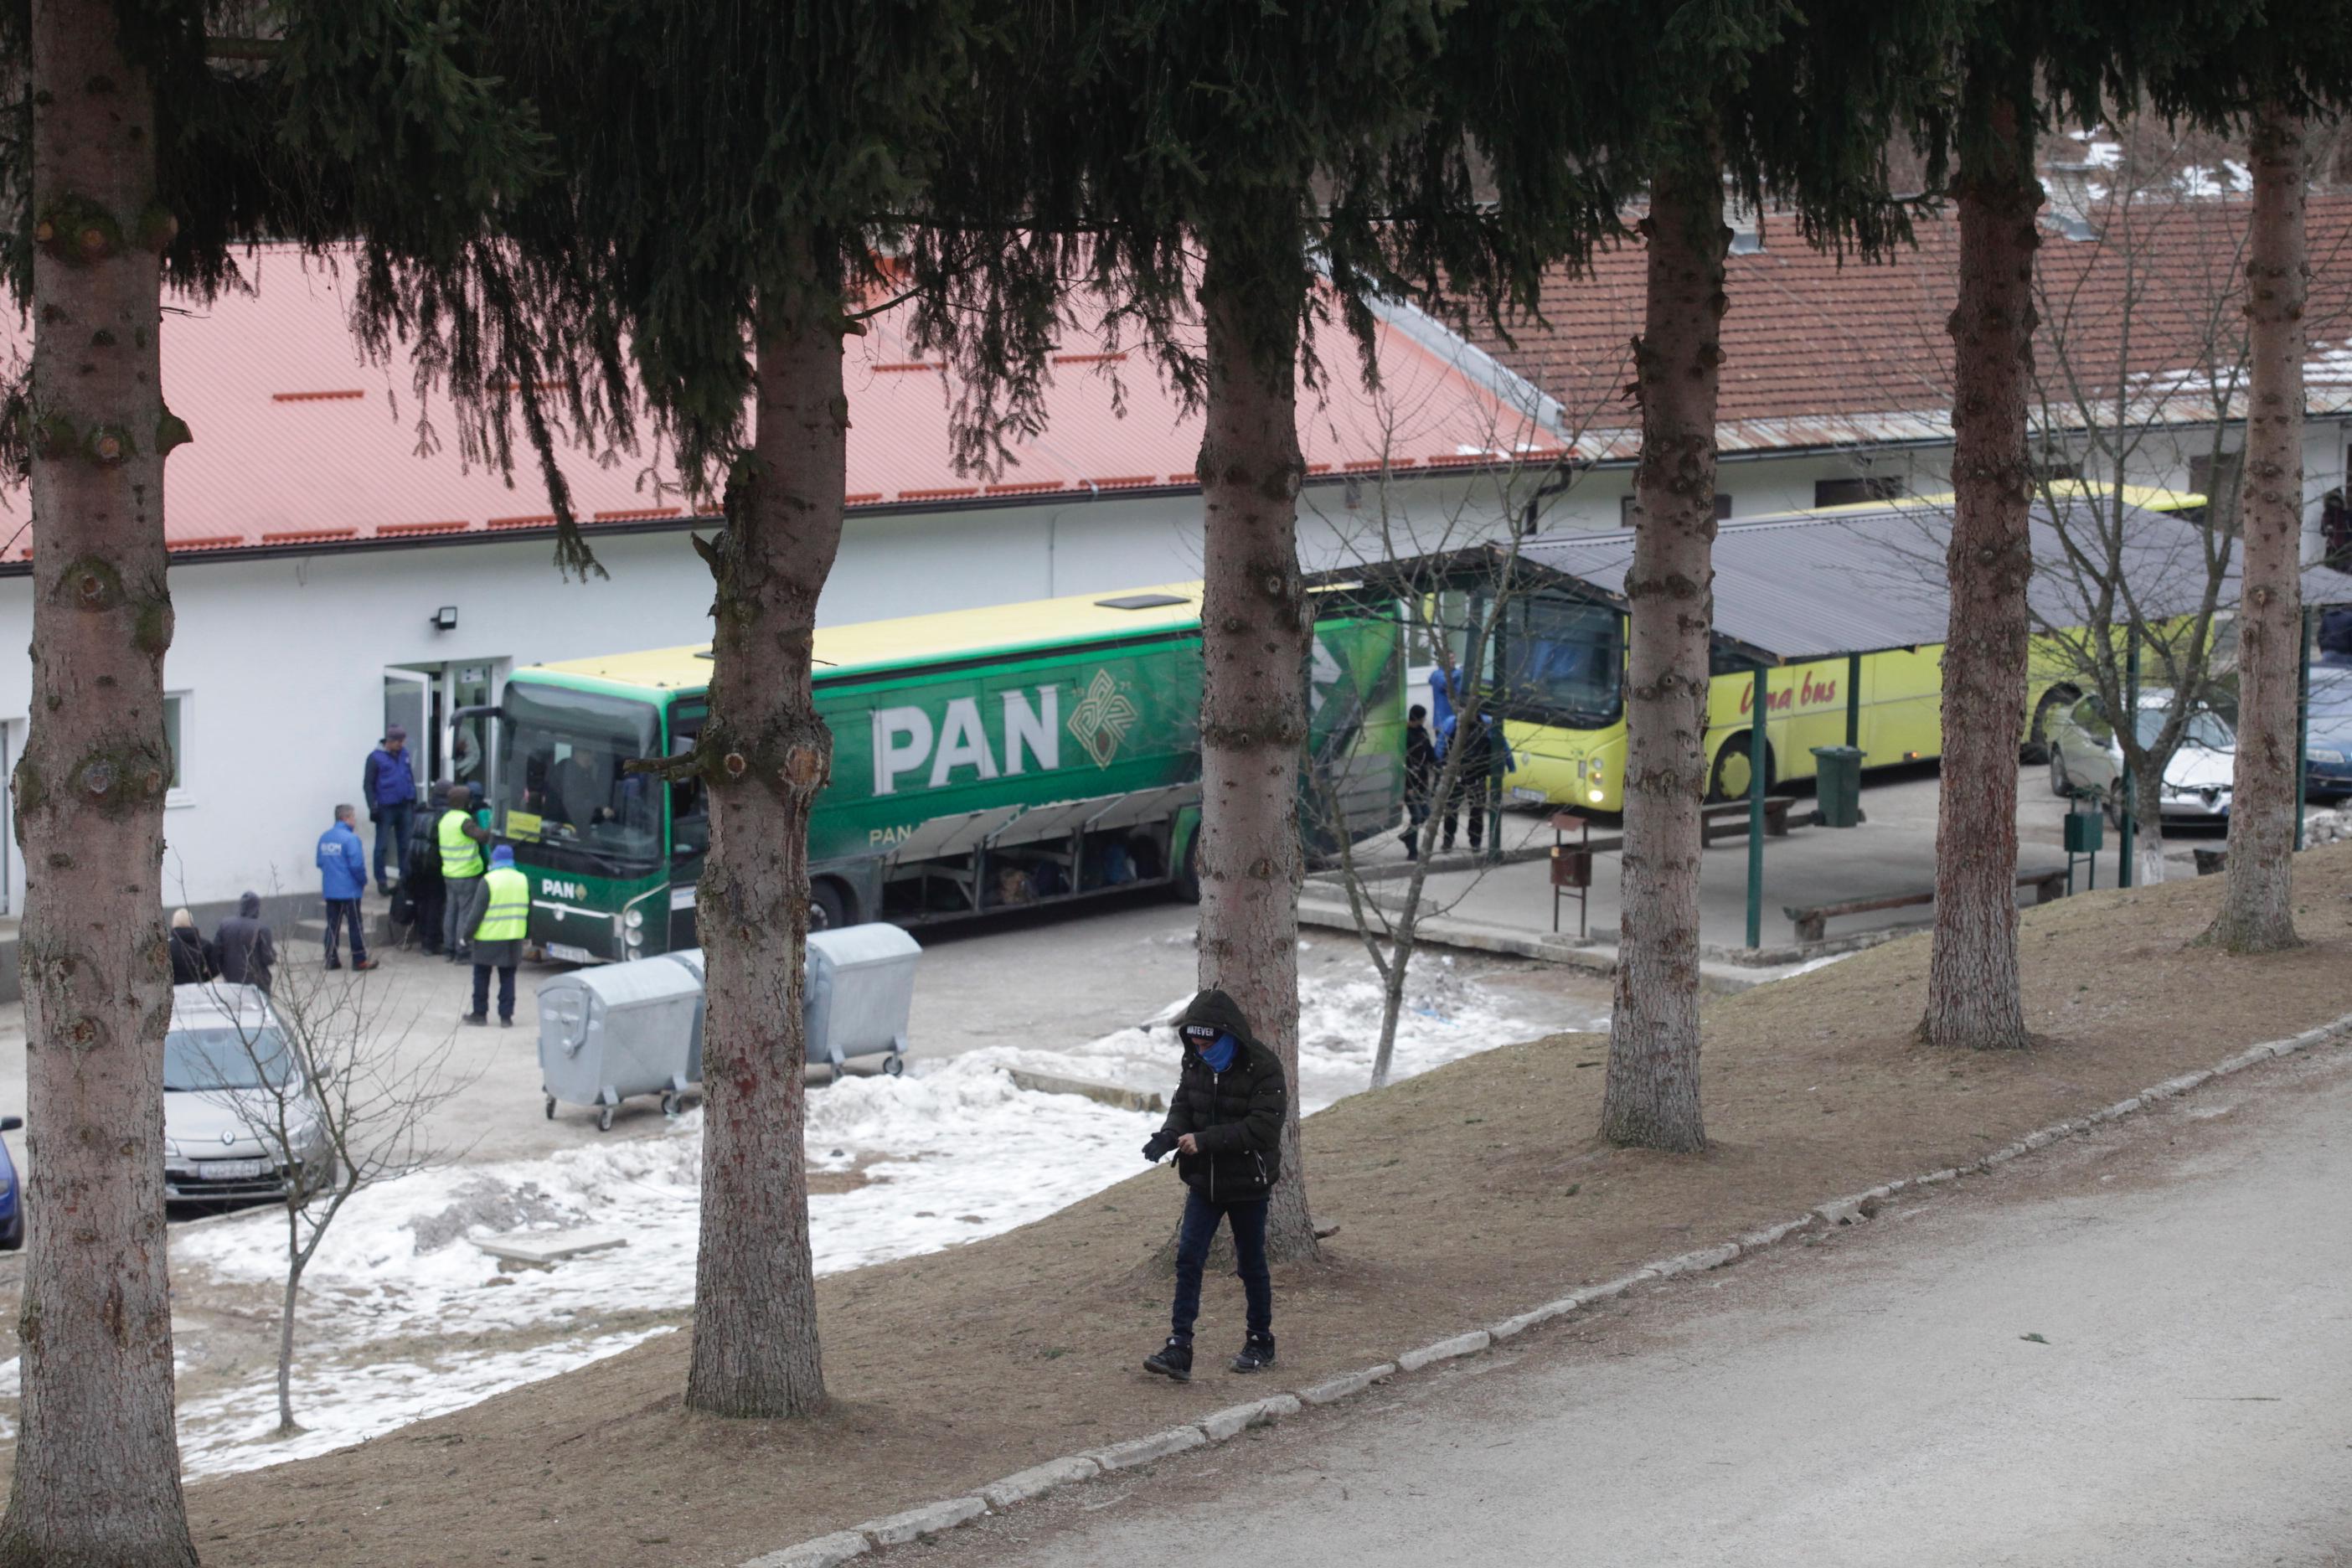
{"x": 1224, "y": 1124}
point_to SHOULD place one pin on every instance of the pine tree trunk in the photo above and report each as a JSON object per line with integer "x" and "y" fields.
{"x": 1972, "y": 980}
{"x": 98, "y": 1466}
{"x": 1652, "y": 1099}
{"x": 1253, "y": 632}
{"x": 2257, "y": 912}
{"x": 767, "y": 754}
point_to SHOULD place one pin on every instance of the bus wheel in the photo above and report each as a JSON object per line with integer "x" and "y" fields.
{"x": 828, "y": 909}
{"x": 1733, "y": 771}
{"x": 2037, "y": 734}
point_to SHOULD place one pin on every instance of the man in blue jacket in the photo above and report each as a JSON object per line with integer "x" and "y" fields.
{"x": 343, "y": 879}
{"x": 389, "y": 787}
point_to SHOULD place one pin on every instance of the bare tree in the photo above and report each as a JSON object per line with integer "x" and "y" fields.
{"x": 2257, "y": 912}
{"x": 338, "y": 1100}
{"x": 1456, "y": 573}
{"x": 2159, "y": 287}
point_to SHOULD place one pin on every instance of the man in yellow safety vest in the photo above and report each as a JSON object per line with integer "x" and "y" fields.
{"x": 498, "y": 935}
{"x": 461, "y": 839}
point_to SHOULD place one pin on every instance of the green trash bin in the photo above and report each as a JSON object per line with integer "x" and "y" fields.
{"x": 1837, "y": 784}
{"x": 2083, "y": 832}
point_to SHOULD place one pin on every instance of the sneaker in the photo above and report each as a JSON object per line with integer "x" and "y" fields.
{"x": 1257, "y": 1354}
{"x": 1172, "y": 1360}
{"x": 477, "y": 1019}
{"x": 506, "y": 1023}
{"x": 364, "y": 964}
{"x": 338, "y": 963}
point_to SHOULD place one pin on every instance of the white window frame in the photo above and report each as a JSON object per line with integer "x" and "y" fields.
{"x": 178, "y": 794}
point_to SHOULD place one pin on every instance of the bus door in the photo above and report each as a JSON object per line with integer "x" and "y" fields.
{"x": 1902, "y": 705}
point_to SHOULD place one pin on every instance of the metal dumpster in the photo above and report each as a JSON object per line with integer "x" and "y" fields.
{"x": 624, "y": 1029}
{"x": 861, "y": 989}
{"x": 692, "y": 958}
{"x": 860, "y": 986}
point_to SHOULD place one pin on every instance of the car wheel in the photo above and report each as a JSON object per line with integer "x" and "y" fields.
{"x": 2060, "y": 785}
{"x": 828, "y": 909}
{"x": 13, "y": 1238}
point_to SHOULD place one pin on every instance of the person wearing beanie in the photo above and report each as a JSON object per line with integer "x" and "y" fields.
{"x": 1225, "y": 1124}
{"x": 498, "y": 933}
{"x": 388, "y": 788}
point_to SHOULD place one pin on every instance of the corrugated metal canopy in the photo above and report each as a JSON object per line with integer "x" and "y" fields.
{"x": 1805, "y": 587}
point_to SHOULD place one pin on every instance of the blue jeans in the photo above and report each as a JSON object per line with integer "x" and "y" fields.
{"x": 1202, "y": 1218}
{"x": 391, "y": 837}
{"x": 339, "y": 911}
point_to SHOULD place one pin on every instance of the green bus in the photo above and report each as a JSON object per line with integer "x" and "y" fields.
{"x": 984, "y": 760}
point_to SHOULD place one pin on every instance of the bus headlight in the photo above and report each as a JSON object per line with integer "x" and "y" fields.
{"x": 633, "y": 919}
{"x": 636, "y": 939}
{"x": 1598, "y": 796}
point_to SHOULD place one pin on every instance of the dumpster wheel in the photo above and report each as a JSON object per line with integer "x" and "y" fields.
{"x": 894, "y": 1063}
{"x": 604, "y": 1119}
{"x": 670, "y": 1102}
{"x": 550, "y": 1107}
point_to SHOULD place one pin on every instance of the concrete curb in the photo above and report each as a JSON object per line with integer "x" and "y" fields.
{"x": 829, "y": 1551}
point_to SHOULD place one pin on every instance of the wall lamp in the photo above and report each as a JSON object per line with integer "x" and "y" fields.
{"x": 445, "y": 618}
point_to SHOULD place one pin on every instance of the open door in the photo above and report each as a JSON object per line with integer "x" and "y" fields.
{"x": 410, "y": 699}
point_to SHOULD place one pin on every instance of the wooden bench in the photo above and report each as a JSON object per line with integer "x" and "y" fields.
{"x": 1811, "y": 922}
{"x": 1729, "y": 819}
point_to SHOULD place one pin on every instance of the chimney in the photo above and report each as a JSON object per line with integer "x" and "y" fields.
{"x": 2069, "y": 189}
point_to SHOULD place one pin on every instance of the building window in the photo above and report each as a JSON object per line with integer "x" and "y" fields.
{"x": 175, "y": 710}
{"x": 2215, "y": 478}
{"x": 1852, "y": 492}
{"x": 1626, "y": 508}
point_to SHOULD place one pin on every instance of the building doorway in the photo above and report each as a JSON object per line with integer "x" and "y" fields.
{"x": 423, "y": 698}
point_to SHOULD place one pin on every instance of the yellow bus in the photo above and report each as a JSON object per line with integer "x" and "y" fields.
{"x": 1561, "y": 657}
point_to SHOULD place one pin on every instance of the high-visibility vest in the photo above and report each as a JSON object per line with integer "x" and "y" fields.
{"x": 460, "y": 856}
{"x": 507, "y": 916}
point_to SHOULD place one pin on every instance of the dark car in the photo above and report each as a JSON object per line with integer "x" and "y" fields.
{"x": 2328, "y": 744}
{"x": 12, "y": 1193}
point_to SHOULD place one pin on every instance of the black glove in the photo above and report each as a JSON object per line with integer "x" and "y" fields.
{"x": 1155, "y": 1149}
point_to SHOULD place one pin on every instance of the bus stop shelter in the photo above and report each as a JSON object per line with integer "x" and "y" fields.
{"x": 1802, "y": 588}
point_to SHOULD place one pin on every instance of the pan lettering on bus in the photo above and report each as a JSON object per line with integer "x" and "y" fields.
{"x": 905, "y": 739}
{"x": 877, "y": 836}
{"x": 555, "y": 890}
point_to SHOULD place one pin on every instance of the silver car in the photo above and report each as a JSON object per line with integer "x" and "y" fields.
{"x": 230, "y": 1082}
{"x": 2087, "y": 759}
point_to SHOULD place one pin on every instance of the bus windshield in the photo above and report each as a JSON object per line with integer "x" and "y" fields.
{"x": 560, "y": 776}
{"x": 1563, "y": 657}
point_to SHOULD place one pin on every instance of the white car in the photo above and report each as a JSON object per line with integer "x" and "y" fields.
{"x": 2087, "y": 759}
{"x": 230, "y": 1082}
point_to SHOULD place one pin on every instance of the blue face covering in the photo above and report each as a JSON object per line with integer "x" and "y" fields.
{"x": 1219, "y": 1056}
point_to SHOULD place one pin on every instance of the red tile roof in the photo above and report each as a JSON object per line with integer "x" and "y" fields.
{"x": 1817, "y": 353}
{"x": 300, "y": 443}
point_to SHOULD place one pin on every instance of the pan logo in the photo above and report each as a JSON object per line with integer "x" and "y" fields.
{"x": 1102, "y": 719}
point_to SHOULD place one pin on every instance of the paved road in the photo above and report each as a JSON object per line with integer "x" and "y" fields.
{"x": 1870, "y": 1401}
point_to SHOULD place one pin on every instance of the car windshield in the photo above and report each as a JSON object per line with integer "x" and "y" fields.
{"x": 221, "y": 1056}
{"x": 564, "y": 775}
{"x": 2206, "y": 730}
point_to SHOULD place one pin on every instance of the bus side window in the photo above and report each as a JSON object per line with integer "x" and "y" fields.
{"x": 689, "y": 803}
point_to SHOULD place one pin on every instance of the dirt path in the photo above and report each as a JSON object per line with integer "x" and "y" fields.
{"x": 1471, "y": 1191}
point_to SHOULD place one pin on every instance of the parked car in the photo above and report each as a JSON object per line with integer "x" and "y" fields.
{"x": 2328, "y": 744}
{"x": 227, "y": 1069}
{"x": 12, "y": 1193}
{"x": 2087, "y": 759}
